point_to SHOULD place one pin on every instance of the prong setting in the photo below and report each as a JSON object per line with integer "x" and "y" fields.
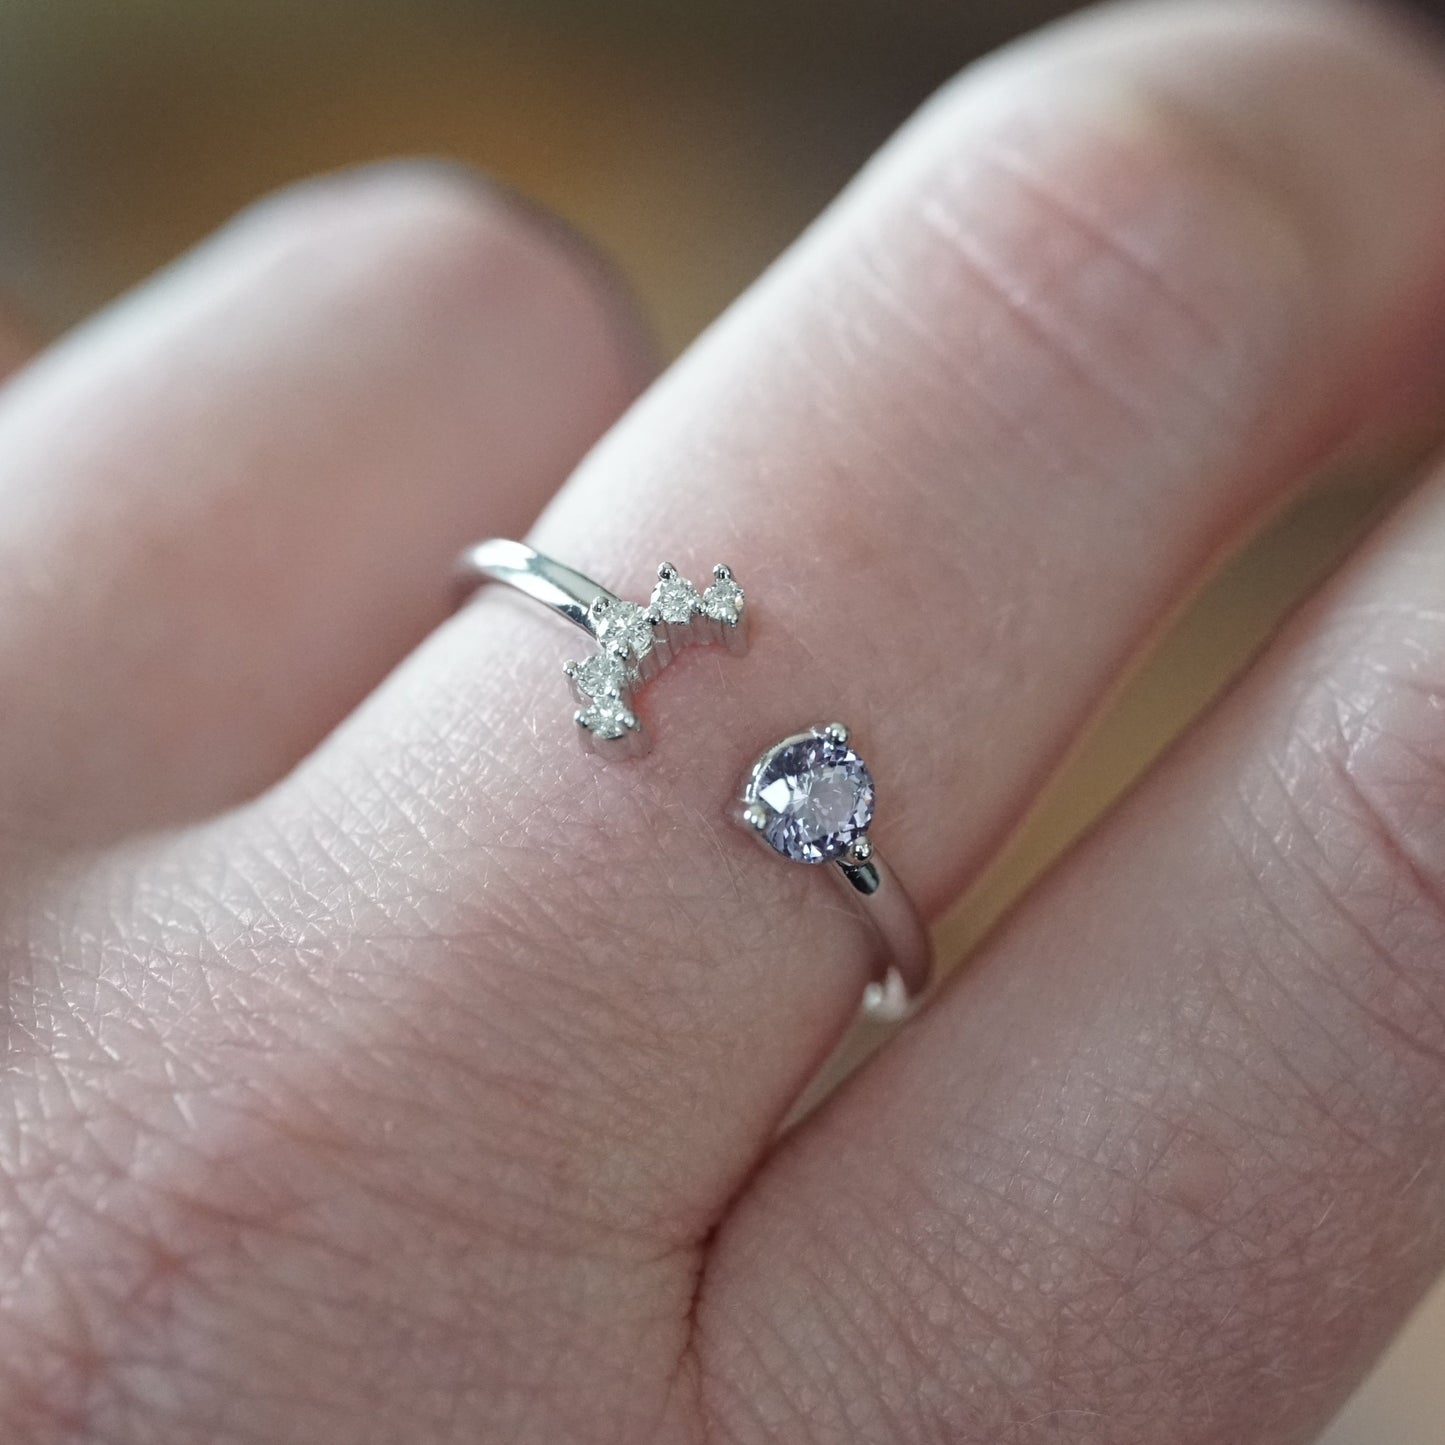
{"x": 810, "y": 798}
{"x": 756, "y": 817}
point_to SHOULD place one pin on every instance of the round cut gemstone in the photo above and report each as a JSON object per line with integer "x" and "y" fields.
{"x": 675, "y": 599}
{"x": 604, "y": 674}
{"x": 607, "y": 718}
{"x": 723, "y": 601}
{"x": 625, "y": 625}
{"x": 818, "y": 796}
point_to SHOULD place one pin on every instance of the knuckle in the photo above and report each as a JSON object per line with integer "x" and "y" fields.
{"x": 1019, "y": 1278}
{"x": 1342, "y": 832}
{"x": 240, "y": 1268}
{"x": 981, "y": 1251}
{"x": 119, "y": 1235}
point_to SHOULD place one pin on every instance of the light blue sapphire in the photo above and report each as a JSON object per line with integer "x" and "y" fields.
{"x": 818, "y": 796}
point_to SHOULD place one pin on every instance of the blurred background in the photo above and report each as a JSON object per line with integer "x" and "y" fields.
{"x": 693, "y": 138}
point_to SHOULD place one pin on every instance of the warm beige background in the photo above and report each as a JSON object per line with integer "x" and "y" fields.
{"x": 694, "y": 139}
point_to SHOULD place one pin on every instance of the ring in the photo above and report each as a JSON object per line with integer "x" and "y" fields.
{"x": 810, "y": 799}
{"x": 634, "y": 642}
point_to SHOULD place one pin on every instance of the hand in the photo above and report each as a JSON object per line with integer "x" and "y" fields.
{"x": 398, "y": 1073}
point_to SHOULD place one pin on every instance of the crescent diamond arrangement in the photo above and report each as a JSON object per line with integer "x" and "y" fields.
{"x": 635, "y": 643}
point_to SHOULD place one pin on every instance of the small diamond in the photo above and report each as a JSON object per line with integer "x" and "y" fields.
{"x": 723, "y": 601}
{"x": 625, "y": 624}
{"x": 675, "y": 599}
{"x": 820, "y": 798}
{"x": 607, "y": 718}
{"x": 602, "y": 675}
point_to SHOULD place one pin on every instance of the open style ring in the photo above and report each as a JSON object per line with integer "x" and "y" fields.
{"x": 810, "y": 799}
{"x": 634, "y": 642}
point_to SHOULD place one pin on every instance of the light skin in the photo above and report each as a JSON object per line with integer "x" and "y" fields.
{"x": 379, "y": 1066}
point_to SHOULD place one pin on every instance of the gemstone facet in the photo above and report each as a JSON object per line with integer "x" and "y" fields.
{"x": 674, "y": 599}
{"x": 626, "y": 625}
{"x": 723, "y": 600}
{"x": 815, "y": 796}
{"x": 608, "y": 718}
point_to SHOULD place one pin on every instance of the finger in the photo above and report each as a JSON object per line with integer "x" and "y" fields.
{"x": 1170, "y": 1155}
{"x": 1063, "y": 343}
{"x": 228, "y": 507}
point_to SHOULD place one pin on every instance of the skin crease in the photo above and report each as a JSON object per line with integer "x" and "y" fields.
{"x": 429, "y": 1093}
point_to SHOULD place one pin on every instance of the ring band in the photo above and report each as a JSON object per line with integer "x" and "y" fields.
{"x": 634, "y": 642}
{"x": 810, "y": 799}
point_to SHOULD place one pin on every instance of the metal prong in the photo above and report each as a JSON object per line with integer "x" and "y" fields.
{"x": 755, "y": 816}
{"x": 860, "y": 852}
{"x": 835, "y": 732}
{"x": 570, "y": 670}
{"x": 667, "y": 572}
{"x": 722, "y": 573}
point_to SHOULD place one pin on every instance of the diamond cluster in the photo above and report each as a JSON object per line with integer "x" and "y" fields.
{"x": 635, "y": 642}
